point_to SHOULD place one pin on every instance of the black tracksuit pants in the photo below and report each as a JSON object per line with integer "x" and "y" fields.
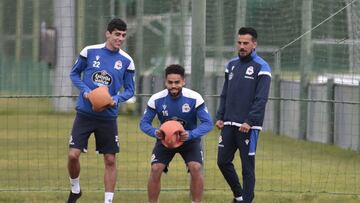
{"x": 230, "y": 141}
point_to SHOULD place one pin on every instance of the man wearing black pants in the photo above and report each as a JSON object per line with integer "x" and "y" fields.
{"x": 241, "y": 113}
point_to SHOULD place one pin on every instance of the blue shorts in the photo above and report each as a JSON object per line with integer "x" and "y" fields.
{"x": 189, "y": 151}
{"x": 105, "y": 131}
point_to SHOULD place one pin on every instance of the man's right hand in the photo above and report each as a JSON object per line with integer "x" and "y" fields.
{"x": 219, "y": 124}
{"x": 86, "y": 95}
{"x": 160, "y": 134}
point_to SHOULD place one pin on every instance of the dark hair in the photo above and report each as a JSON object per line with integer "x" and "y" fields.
{"x": 175, "y": 69}
{"x": 118, "y": 24}
{"x": 248, "y": 30}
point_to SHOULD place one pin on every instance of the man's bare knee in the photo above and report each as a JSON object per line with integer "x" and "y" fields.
{"x": 74, "y": 155}
{"x": 195, "y": 168}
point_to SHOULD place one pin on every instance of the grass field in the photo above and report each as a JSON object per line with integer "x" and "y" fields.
{"x": 175, "y": 197}
{"x": 33, "y": 149}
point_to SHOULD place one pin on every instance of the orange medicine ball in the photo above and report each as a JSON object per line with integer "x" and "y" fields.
{"x": 172, "y": 130}
{"x": 100, "y": 98}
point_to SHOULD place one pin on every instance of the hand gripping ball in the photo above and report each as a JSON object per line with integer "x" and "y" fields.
{"x": 100, "y": 98}
{"x": 172, "y": 130}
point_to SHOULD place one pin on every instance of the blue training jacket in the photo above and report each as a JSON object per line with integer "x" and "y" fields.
{"x": 98, "y": 66}
{"x": 187, "y": 107}
{"x": 245, "y": 91}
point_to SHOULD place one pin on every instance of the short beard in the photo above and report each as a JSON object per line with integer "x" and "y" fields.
{"x": 243, "y": 57}
{"x": 175, "y": 95}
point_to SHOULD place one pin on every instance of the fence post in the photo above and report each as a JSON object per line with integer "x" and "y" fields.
{"x": 198, "y": 36}
{"x": 19, "y": 31}
{"x": 36, "y": 31}
{"x": 80, "y": 25}
{"x": 305, "y": 65}
{"x": 330, "y": 109}
{"x": 277, "y": 93}
{"x": 1, "y": 29}
{"x": 277, "y": 102}
{"x": 198, "y": 45}
{"x": 139, "y": 53}
{"x": 358, "y": 146}
{"x": 63, "y": 18}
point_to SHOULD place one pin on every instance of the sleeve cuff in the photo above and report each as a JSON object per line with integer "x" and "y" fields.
{"x": 191, "y": 136}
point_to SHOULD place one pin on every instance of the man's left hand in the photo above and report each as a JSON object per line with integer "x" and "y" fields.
{"x": 184, "y": 136}
{"x": 244, "y": 128}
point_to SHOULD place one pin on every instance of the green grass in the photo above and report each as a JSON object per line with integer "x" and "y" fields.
{"x": 174, "y": 197}
{"x": 33, "y": 153}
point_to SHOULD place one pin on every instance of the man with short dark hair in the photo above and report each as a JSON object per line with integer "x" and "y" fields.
{"x": 100, "y": 65}
{"x": 186, "y": 106}
{"x": 241, "y": 113}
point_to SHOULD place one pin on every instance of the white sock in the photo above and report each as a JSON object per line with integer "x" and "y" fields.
{"x": 109, "y": 197}
{"x": 239, "y": 198}
{"x": 75, "y": 185}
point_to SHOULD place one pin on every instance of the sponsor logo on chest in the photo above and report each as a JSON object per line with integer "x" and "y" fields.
{"x": 101, "y": 78}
